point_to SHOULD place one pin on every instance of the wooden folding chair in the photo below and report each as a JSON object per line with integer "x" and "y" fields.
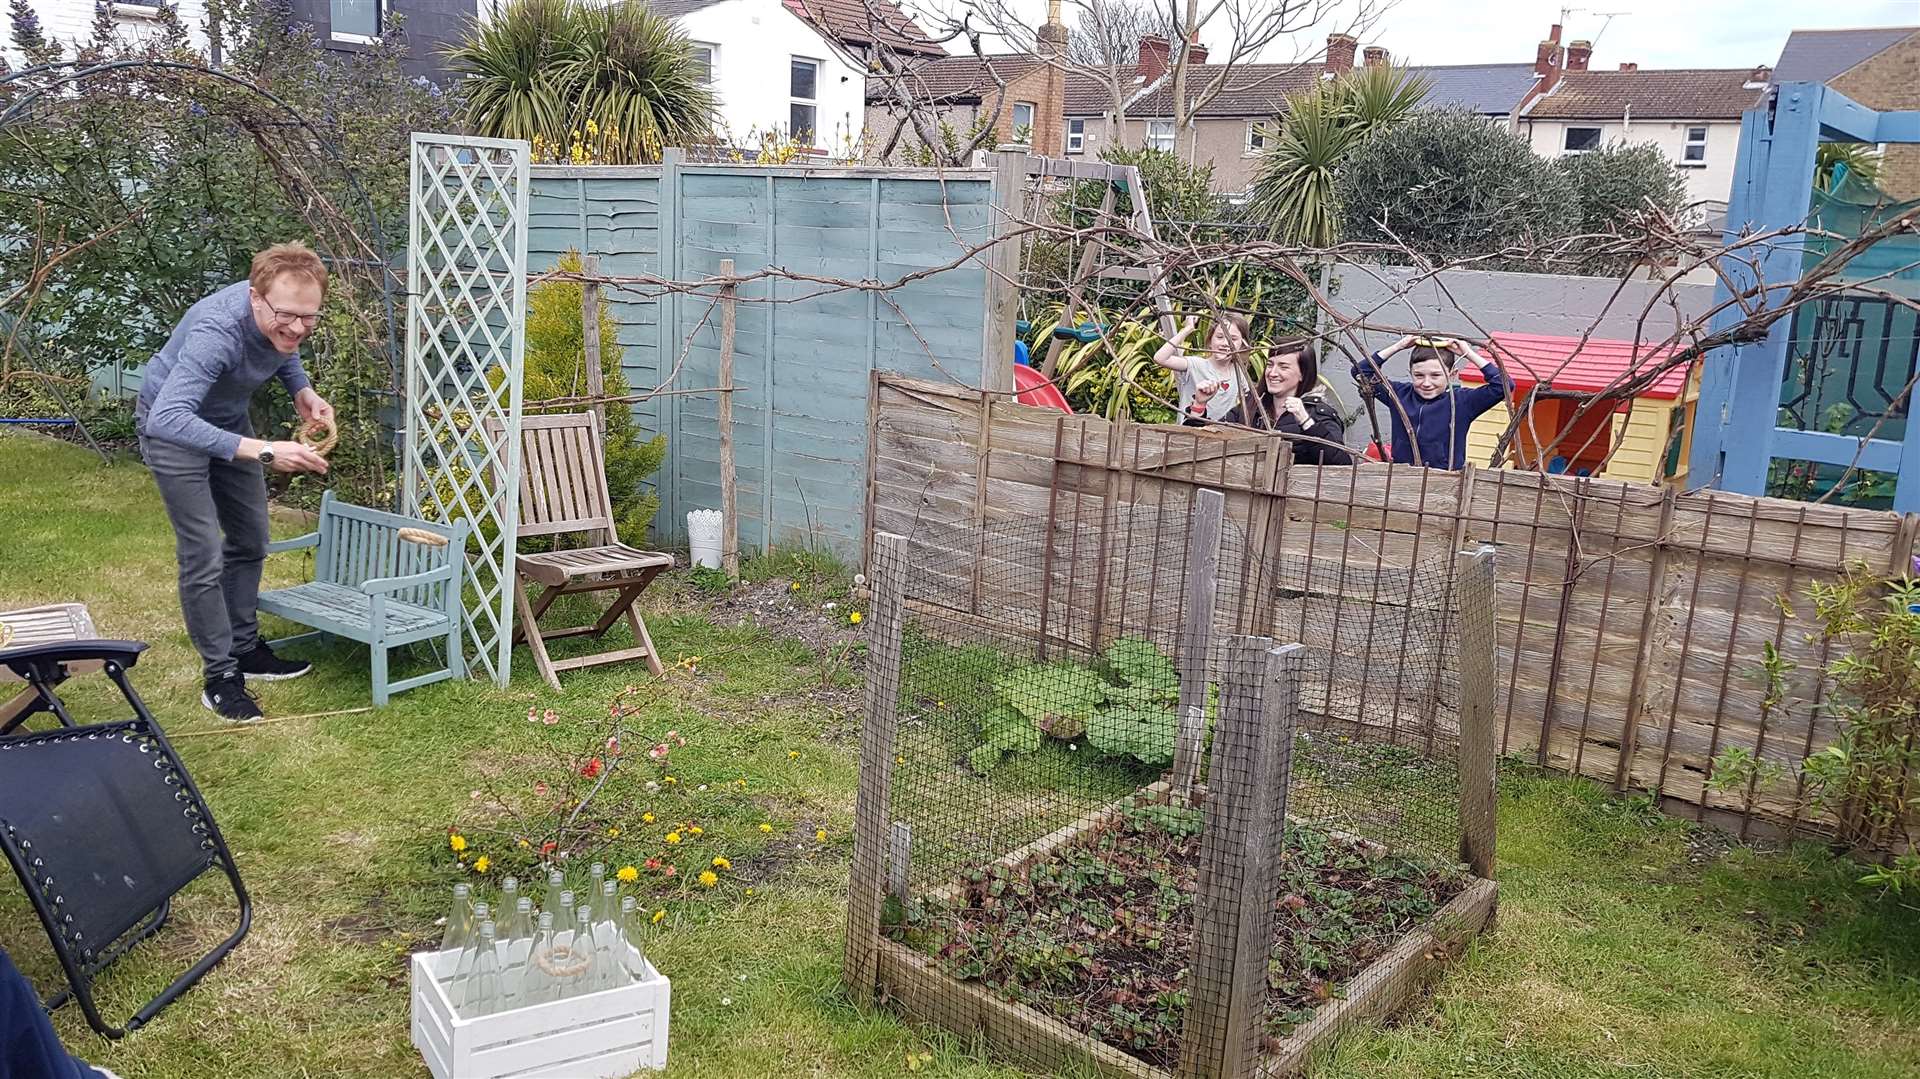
{"x": 563, "y": 492}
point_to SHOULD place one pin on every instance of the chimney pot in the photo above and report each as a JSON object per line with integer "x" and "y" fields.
{"x": 1629, "y": 67}
{"x": 1375, "y": 56}
{"x": 1155, "y": 53}
{"x": 1761, "y": 74}
{"x": 1578, "y": 53}
{"x": 1554, "y": 36}
{"x": 1340, "y": 49}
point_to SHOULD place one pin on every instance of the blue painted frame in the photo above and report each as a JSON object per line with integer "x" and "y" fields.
{"x": 1737, "y": 436}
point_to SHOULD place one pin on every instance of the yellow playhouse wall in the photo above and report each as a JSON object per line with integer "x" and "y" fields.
{"x": 1638, "y": 460}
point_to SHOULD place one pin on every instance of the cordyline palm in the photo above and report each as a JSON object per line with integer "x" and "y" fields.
{"x": 550, "y": 68}
{"x": 1861, "y": 159}
{"x": 1293, "y": 184}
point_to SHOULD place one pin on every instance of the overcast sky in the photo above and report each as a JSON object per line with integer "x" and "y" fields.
{"x": 1652, "y": 33}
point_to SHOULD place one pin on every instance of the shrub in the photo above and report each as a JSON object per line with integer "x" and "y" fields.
{"x": 1448, "y": 184}
{"x": 1293, "y": 191}
{"x": 1621, "y": 187}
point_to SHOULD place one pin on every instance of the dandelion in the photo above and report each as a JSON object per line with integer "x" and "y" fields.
{"x": 767, "y": 828}
{"x": 482, "y": 864}
{"x": 668, "y": 779}
{"x": 939, "y": 704}
{"x": 853, "y": 617}
{"x": 646, "y": 818}
{"x": 524, "y": 845}
{"x": 740, "y": 783}
{"x": 697, "y": 830}
{"x": 722, "y": 863}
{"x": 793, "y": 754}
{"x": 708, "y": 878}
{"x": 613, "y": 833}
{"x": 749, "y": 891}
{"x": 820, "y": 834}
{"x": 457, "y": 841}
{"x": 659, "y": 916}
{"x": 899, "y": 760}
{"x": 673, "y": 838}
{"x": 795, "y": 587}
{"x": 628, "y": 874}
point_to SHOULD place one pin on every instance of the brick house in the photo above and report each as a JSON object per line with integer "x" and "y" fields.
{"x": 1877, "y": 67}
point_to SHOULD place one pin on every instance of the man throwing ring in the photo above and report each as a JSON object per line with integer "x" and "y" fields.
{"x": 198, "y": 441}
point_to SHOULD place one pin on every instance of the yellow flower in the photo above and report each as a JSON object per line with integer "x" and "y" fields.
{"x": 740, "y": 782}
{"x": 483, "y": 864}
{"x": 708, "y": 878}
{"x": 524, "y": 845}
{"x": 669, "y": 779}
{"x": 793, "y": 754}
{"x": 767, "y": 828}
{"x": 722, "y": 863}
{"x": 820, "y": 834}
{"x": 628, "y": 874}
{"x": 613, "y": 833}
{"x": 854, "y": 617}
{"x": 795, "y": 587}
{"x": 749, "y": 891}
{"x": 939, "y": 704}
{"x": 672, "y": 838}
{"x": 697, "y": 830}
{"x": 659, "y": 916}
{"x": 646, "y": 818}
{"x": 457, "y": 841}
{"x": 899, "y": 760}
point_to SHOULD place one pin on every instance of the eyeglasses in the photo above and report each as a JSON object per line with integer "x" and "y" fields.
{"x": 288, "y": 318}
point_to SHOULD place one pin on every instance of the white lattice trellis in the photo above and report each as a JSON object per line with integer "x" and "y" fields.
{"x": 466, "y": 321}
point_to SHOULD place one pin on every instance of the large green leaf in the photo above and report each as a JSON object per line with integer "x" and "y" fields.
{"x": 1057, "y": 697}
{"x": 1139, "y": 662}
{"x": 1145, "y": 733}
{"x": 1003, "y": 731}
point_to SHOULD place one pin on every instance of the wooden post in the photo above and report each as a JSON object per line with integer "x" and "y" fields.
{"x": 1473, "y": 630}
{"x": 899, "y": 860}
{"x": 872, "y": 828}
{"x": 1002, "y": 262}
{"x": 590, "y": 339}
{"x": 729, "y": 491}
{"x": 1246, "y": 814}
{"x": 1196, "y": 634}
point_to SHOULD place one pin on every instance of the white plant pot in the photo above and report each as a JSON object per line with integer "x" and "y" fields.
{"x": 603, "y": 1035}
{"x": 703, "y": 537}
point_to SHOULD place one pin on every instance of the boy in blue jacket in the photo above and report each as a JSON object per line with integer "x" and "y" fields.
{"x": 1439, "y": 411}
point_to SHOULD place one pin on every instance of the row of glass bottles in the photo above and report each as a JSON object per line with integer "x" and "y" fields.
{"x": 570, "y": 950}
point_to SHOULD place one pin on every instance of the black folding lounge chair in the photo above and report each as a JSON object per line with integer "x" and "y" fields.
{"x": 103, "y": 827}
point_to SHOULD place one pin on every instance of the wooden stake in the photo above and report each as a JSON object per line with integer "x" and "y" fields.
{"x": 590, "y": 339}
{"x": 1196, "y": 635}
{"x": 729, "y": 492}
{"x": 872, "y": 828}
{"x": 1473, "y": 630}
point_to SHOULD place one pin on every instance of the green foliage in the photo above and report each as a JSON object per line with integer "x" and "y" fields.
{"x": 619, "y": 79}
{"x": 1619, "y": 187}
{"x": 1139, "y": 662}
{"x": 1862, "y": 161}
{"x": 1294, "y": 187}
{"x": 1448, "y": 183}
{"x": 1056, "y": 697}
{"x": 555, "y": 368}
{"x": 1124, "y": 706}
{"x": 952, "y": 142}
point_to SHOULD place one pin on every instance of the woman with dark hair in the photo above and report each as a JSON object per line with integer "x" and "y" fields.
{"x": 1288, "y": 401}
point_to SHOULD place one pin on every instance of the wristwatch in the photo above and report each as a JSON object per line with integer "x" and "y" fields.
{"x": 266, "y": 455}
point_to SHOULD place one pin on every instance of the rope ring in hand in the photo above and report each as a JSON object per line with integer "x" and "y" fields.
{"x": 320, "y": 436}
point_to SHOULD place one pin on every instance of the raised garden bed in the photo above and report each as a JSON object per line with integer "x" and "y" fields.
{"x": 1075, "y": 948}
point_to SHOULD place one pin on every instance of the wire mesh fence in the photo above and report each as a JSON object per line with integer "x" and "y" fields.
{"x": 1103, "y": 822}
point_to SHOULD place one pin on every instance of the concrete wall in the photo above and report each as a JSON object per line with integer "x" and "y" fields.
{"x": 1499, "y": 302}
{"x": 755, "y": 43}
{"x": 1714, "y": 180}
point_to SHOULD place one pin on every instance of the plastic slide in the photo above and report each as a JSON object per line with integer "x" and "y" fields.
{"x": 1034, "y": 389}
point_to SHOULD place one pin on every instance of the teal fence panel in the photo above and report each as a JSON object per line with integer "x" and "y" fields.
{"x": 804, "y": 350}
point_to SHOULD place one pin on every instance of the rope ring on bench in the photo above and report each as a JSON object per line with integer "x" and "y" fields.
{"x": 422, "y": 537}
{"x": 317, "y": 435}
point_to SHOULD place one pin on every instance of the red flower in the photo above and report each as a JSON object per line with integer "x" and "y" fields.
{"x": 546, "y": 848}
{"x": 670, "y": 871}
{"x": 591, "y": 768}
{"x": 653, "y": 863}
{"x": 613, "y": 746}
{"x": 540, "y": 788}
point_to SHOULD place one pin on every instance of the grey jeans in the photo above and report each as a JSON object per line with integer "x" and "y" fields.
{"x": 219, "y": 514}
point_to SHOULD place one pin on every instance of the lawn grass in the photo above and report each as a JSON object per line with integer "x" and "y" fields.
{"x": 1615, "y": 954}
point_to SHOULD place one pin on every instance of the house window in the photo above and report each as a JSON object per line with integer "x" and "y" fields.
{"x": 1023, "y": 122}
{"x": 355, "y": 20}
{"x": 1695, "y": 153}
{"x": 704, "y": 58}
{"x": 803, "y": 88}
{"x": 1582, "y": 140}
{"x": 1257, "y": 137}
{"x": 1076, "y": 136}
{"x": 1160, "y": 135}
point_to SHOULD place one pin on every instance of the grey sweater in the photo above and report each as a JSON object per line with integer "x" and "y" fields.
{"x": 196, "y": 389}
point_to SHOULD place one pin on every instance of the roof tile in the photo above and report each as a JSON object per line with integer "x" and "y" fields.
{"x": 1673, "y": 94}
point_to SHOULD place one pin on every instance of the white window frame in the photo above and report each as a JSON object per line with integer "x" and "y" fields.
{"x": 1567, "y": 133}
{"x": 819, "y": 68}
{"x": 1158, "y": 130}
{"x": 1076, "y": 135}
{"x": 1689, "y": 142}
{"x": 1255, "y": 131}
{"x": 1013, "y": 120}
{"x": 713, "y": 63}
{"x": 379, "y": 17}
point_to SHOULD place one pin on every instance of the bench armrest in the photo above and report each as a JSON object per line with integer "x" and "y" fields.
{"x": 311, "y": 539}
{"x": 380, "y": 585}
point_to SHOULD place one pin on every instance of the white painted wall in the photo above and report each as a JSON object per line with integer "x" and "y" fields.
{"x": 71, "y": 21}
{"x": 1712, "y": 181}
{"x": 756, "y": 41}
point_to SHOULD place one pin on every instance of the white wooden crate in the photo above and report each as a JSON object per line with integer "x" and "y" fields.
{"x": 604, "y": 1035}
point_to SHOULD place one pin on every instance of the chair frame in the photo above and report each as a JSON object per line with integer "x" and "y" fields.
{"x": 563, "y": 492}
{"x": 40, "y": 665}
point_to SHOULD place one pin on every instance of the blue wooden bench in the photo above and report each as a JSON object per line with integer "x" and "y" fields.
{"x": 381, "y": 579}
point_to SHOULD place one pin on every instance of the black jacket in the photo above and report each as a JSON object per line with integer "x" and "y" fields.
{"x": 1326, "y": 425}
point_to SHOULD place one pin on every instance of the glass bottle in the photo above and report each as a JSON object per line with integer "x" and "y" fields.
{"x": 556, "y": 883}
{"x": 633, "y": 959}
{"x": 606, "y": 908}
{"x": 481, "y": 912}
{"x": 537, "y": 984}
{"x": 459, "y": 984}
{"x": 509, "y": 893}
{"x": 460, "y": 921}
{"x": 483, "y": 987}
{"x": 563, "y": 926}
{"x": 596, "y": 874}
{"x": 513, "y": 955}
{"x": 586, "y": 953}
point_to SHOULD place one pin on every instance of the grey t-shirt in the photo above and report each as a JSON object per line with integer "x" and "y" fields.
{"x": 196, "y": 390}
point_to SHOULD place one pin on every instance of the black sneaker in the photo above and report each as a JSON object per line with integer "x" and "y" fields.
{"x": 261, "y": 665}
{"x": 229, "y": 699}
